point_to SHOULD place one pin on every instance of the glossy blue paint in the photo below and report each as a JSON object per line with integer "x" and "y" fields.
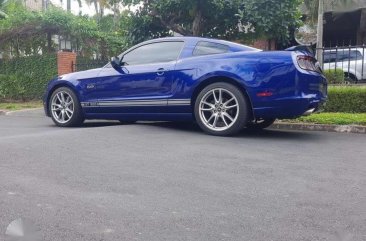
{"x": 166, "y": 91}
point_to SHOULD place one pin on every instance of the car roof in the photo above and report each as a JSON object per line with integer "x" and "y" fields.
{"x": 198, "y": 39}
{"x": 343, "y": 49}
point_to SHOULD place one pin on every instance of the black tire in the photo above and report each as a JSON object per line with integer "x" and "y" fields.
{"x": 260, "y": 124}
{"x": 350, "y": 78}
{"x": 241, "y": 111}
{"x": 76, "y": 118}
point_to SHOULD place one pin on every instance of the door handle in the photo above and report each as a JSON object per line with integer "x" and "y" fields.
{"x": 160, "y": 71}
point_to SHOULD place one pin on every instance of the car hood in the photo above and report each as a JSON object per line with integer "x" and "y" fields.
{"x": 92, "y": 73}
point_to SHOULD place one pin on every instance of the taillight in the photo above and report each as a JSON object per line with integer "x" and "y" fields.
{"x": 308, "y": 63}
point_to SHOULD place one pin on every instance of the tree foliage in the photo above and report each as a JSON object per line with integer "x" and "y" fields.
{"x": 215, "y": 18}
{"x": 271, "y": 18}
{"x": 210, "y": 18}
{"x": 27, "y": 32}
{"x": 2, "y": 14}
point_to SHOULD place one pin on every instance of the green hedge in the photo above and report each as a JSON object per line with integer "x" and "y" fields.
{"x": 349, "y": 99}
{"x": 26, "y": 78}
{"x": 334, "y": 76}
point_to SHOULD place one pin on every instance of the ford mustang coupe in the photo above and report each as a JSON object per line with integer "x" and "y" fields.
{"x": 221, "y": 85}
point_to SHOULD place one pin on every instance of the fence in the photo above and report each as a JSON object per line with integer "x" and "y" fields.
{"x": 349, "y": 59}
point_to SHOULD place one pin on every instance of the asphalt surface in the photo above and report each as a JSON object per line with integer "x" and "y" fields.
{"x": 165, "y": 181}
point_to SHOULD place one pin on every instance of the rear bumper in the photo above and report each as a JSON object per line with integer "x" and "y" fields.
{"x": 290, "y": 108}
{"x": 294, "y": 98}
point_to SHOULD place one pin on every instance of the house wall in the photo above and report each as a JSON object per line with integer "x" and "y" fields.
{"x": 264, "y": 44}
{"x": 345, "y": 28}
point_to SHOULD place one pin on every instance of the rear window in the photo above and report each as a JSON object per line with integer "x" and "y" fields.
{"x": 208, "y": 48}
{"x": 342, "y": 55}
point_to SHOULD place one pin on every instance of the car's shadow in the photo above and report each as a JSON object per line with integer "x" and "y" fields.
{"x": 194, "y": 128}
{"x": 99, "y": 123}
{"x": 245, "y": 133}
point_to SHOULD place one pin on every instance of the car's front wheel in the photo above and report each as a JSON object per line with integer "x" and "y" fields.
{"x": 65, "y": 108}
{"x": 221, "y": 109}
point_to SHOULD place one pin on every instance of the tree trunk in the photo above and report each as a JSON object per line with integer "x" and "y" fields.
{"x": 197, "y": 23}
{"x": 17, "y": 51}
{"x": 49, "y": 43}
{"x": 69, "y": 5}
{"x": 101, "y": 12}
{"x": 96, "y": 9}
{"x": 319, "y": 42}
{"x": 116, "y": 15}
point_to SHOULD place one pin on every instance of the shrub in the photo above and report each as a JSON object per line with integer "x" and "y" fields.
{"x": 26, "y": 77}
{"x": 351, "y": 99}
{"x": 334, "y": 76}
{"x": 11, "y": 87}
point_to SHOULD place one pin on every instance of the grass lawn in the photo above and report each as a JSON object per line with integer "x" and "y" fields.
{"x": 334, "y": 118}
{"x": 11, "y": 106}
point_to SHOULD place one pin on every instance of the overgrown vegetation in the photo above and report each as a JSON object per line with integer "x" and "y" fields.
{"x": 334, "y": 76}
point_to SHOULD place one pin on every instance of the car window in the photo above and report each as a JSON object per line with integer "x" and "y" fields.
{"x": 354, "y": 55}
{"x": 342, "y": 55}
{"x": 153, "y": 53}
{"x": 330, "y": 57}
{"x": 207, "y": 48}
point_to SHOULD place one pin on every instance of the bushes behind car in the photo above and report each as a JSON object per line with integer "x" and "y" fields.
{"x": 26, "y": 77}
{"x": 334, "y": 76}
{"x": 349, "y": 99}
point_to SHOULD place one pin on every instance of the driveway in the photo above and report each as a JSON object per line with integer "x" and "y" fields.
{"x": 165, "y": 181}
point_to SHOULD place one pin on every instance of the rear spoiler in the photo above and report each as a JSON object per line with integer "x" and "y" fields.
{"x": 302, "y": 48}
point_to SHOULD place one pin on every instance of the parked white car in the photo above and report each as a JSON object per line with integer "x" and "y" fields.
{"x": 350, "y": 60}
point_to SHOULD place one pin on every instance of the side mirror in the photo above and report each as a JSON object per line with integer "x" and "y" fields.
{"x": 116, "y": 63}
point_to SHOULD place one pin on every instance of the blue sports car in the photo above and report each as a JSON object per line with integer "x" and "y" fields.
{"x": 221, "y": 85}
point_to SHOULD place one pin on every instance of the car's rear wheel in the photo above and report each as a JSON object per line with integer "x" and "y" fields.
{"x": 65, "y": 108}
{"x": 221, "y": 109}
{"x": 350, "y": 78}
{"x": 260, "y": 124}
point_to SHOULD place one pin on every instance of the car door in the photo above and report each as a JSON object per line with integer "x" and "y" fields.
{"x": 144, "y": 81}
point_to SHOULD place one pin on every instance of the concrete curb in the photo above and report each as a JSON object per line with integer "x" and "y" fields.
{"x": 2, "y": 112}
{"x": 319, "y": 127}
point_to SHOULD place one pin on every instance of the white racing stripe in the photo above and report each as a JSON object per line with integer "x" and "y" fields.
{"x": 127, "y": 103}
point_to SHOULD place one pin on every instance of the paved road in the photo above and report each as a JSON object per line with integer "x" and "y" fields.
{"x": 171, "y": 182}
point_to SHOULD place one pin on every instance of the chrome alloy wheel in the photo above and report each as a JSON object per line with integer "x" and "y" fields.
{"x": 62, "y": 107}
{"x": 219, "y": 109}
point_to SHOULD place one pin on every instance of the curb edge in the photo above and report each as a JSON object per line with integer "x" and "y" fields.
{"x": 319, "y": 127}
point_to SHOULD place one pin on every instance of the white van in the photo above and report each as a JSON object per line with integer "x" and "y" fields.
{"x": 350, "y": 60}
